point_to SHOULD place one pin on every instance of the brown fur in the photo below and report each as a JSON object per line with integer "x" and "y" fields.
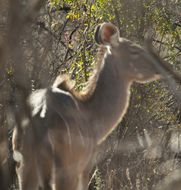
{"x": 64, "y": 82}
{"x": 76, "y": 123}
{"x": 4, "y": 165}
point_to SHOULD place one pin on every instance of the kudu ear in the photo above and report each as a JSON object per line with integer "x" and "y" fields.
{"x": 107, "y": 34}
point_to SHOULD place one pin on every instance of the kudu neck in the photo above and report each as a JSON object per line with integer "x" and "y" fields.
{"x": 109, "y": 101}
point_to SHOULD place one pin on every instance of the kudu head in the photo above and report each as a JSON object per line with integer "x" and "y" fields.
{"x": 132, "y": 61}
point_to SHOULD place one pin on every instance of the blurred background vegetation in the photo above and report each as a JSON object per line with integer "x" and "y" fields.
{"x": 144, "y": 151}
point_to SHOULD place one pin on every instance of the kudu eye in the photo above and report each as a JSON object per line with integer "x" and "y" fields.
{"x": 106, "y": 34}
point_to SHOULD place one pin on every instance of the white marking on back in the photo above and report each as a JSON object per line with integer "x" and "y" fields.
{"x": 37, "y": 101}
{"x": 44, "y": 108}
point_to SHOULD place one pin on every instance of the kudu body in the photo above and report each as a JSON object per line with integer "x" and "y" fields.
{"x": 67, "y": 126}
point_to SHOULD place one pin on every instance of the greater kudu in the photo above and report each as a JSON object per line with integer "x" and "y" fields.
{"x": 68, "y": 126}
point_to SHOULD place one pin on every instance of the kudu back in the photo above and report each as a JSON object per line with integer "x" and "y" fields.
{"x": 68, "y": 126}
